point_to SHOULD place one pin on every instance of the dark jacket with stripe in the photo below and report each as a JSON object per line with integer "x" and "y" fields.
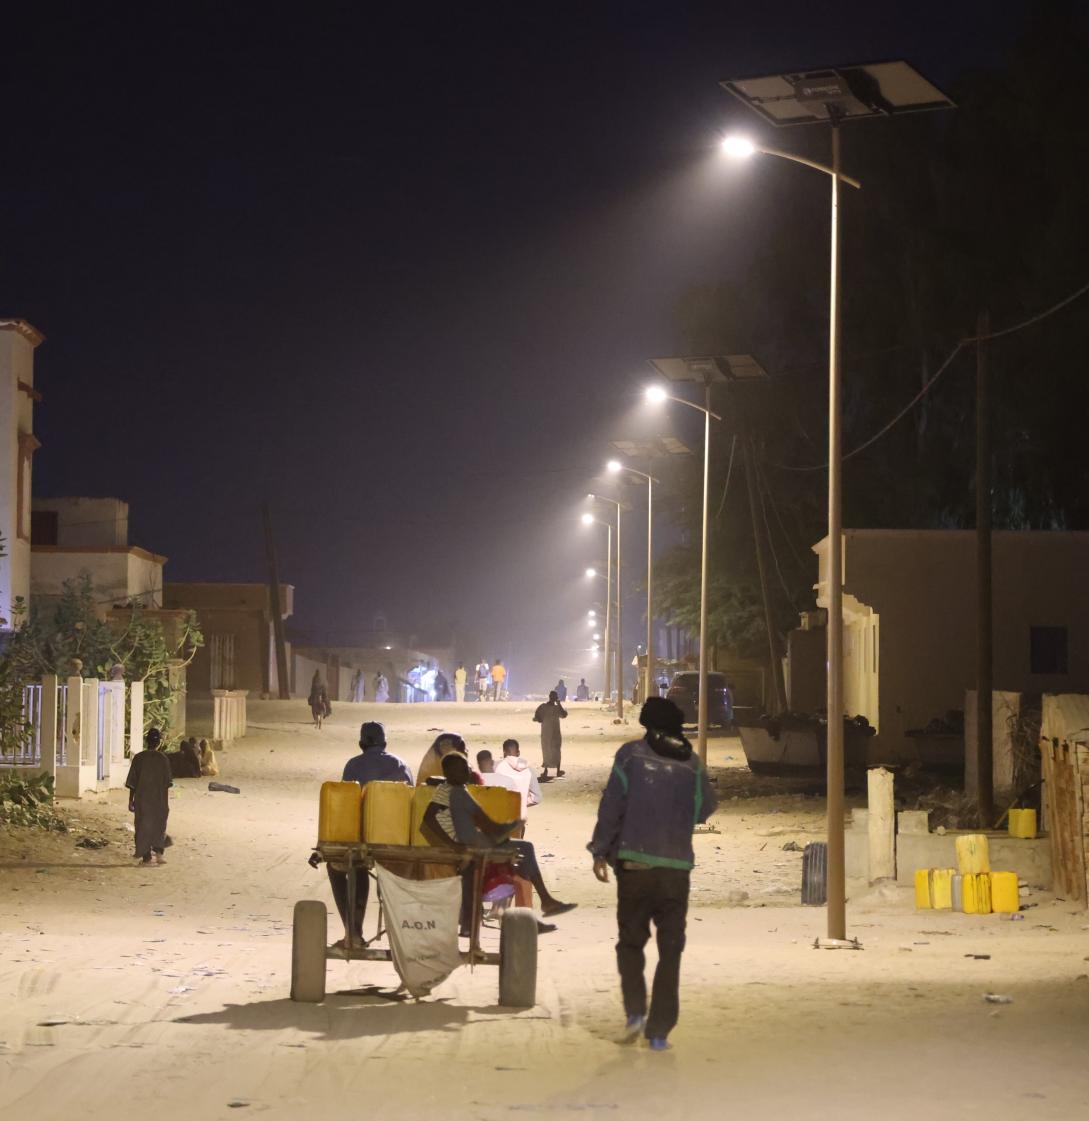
{"x": 657, "y": 792}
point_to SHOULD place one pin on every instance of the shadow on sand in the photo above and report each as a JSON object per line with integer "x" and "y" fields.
{"x": 347, "y": 1014}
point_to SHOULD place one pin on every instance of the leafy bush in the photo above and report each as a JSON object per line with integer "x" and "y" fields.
{"x": 28, "y": 800}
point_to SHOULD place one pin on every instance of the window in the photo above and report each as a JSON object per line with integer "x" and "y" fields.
{"x": 1048, "y": 649}
{"x": 221, "y": 650}
{"x": 43, "y": 527}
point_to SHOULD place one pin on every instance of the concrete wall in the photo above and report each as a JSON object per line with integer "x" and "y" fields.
{"x": 88, "y": 521}
{"x": 118, "y": 574}
{"x": 238, "y": 612}
{"x": 921, "y": 585}
{"x": 17, "y": 342}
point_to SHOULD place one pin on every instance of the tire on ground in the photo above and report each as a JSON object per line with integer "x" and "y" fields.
{"x": 518, "y": 958}
{"x": 308, "y": 937}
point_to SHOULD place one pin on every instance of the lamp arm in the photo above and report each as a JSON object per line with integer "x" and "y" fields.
{"x": 851, "y": 182}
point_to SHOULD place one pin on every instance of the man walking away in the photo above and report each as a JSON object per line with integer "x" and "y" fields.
{"x": 483, "y": 679}
{"x": 657, "y": 791}
{"x": 499, "y": 675}
{"x": 373, "y": 764}
{"x": 582, "y": 691}
{"x": 148, "y": 782}
{"x": 549, "y": 715}
{"x": 459, "y": 683}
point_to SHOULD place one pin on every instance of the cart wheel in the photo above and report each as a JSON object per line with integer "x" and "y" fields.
{"x": 518, "y": 958}
{"x": 308, "y": 935}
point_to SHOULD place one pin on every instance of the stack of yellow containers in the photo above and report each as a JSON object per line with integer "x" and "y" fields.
{"x": 972, "y": 887}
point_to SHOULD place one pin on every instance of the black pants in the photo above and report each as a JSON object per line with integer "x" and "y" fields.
{"x": 661, "y": 895}
{"x": 338, "y": 881}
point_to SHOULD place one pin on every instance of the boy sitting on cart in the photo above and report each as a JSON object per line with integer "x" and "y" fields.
{"x": 454, "y": 820}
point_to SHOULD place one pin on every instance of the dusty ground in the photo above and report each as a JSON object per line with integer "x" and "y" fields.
{"x": 128, "y": 992}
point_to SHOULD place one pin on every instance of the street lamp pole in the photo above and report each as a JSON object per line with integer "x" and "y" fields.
{"x": 615, "y": 466}
{"x": 702, "y": 706}
{"x": 837, "y": 890}
{"x": 589, "y": 519}
{"x": 831, "y": 96}
{"x": 619, "y": 615}
{"x": 656, "y": 394}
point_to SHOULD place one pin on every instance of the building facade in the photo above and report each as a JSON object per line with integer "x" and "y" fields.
{"x": 18, "y": 443}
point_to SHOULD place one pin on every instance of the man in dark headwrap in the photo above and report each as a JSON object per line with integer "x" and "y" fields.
{"x": 148, "y": 782}
{"x": 657, "y": 791}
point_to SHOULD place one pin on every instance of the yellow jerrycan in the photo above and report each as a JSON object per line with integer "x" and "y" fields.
{"x": 973, "y": 854}
{"x": 1005, "y": 898}
{"x": 340, "y": 812}
{"x": 387, "y": 813}
{"x": 1023, "y": 824}
{"x": 499, "y": 803}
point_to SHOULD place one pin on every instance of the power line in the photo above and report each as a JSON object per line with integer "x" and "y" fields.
{"x": 967, "y": 341}
{"x": 729, "y": 472}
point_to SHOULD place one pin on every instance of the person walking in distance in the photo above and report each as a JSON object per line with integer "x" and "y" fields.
{"x": 499, "y": 675}
{"x": 460, "y": 676}
{"x": 657, "y": 791}
{"x": 148, "y": 782}
{"x": 483, "y": 680}
{"x": 549, "y": 715}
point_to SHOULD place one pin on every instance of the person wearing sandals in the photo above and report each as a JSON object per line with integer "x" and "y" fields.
{"x": 149, "y": 780}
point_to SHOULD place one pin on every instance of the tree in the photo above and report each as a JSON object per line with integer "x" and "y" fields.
{"x": 54, "y": 636}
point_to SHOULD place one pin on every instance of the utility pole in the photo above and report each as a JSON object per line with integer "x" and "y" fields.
{"x": 984, "y": 755}
{"x": 619, "y": 624}
{"x": 275, "y": 608}
{"x": 758, "y": 540}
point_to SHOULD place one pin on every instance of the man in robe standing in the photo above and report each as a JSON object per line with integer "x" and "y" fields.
{"x": 460, "y": 676}
{"x": 148, "y": 782}
{"x": 549, "y": 715}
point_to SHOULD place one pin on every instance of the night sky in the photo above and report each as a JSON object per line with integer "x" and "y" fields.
{"x": 398, "y": 271}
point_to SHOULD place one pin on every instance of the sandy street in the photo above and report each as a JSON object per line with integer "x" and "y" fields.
{"x": 133, "y": 993}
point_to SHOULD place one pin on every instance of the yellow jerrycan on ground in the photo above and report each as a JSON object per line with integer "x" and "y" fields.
{"x": 977, "y": 894}
{"x": 1005, "y": 898}
{"x": 340, "y": 812}
{"x": 941, "y": 888}
{"x": 387, "y": 813}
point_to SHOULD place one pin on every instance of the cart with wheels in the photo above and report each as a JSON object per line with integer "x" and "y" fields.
{"x": 517, "y": 956}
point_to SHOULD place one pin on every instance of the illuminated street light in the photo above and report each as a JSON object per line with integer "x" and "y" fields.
{"x": 592, "y": 613}
{"x": 591, "y": 573}
{"x": 597, "y": 637}
{"x": 831, "y": 96}
{"x": 740, "y": 147}
{"x": 656, "y": 395}
{"x": 587, "y": 519}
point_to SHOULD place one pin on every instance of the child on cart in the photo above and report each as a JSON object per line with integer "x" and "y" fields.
{"x": 454, "y": 820}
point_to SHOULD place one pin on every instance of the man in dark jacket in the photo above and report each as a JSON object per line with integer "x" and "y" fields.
{"x": 657, "y": 792}
{"x": 373, "y": 764}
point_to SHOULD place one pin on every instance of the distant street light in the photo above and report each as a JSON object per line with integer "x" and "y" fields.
{"x": 588, "y": 519}
{"x": 615, "y": 467}
{"x": 619, "y": 649}
{"x": 831, "y": 96}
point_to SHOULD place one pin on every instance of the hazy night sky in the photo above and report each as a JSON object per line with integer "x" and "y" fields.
{"x": 396, "y": 271}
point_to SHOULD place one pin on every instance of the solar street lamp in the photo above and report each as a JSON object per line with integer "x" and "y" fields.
{"x": 832, "y": 96}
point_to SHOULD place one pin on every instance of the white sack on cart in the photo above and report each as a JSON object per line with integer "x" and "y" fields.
{"x": 422, "y": 922}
